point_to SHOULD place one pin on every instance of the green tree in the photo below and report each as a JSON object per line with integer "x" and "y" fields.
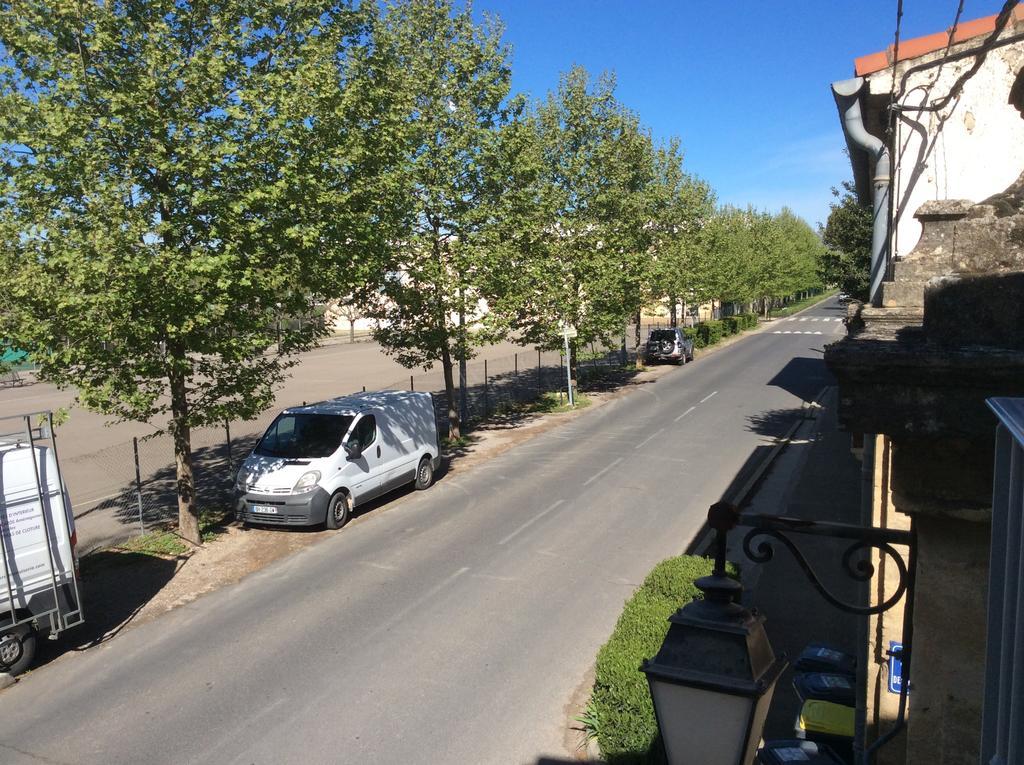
{"x": 453, "y": 83}
{"x": 581, "y": 252}
{"x": 679, "y": 206}
{"x": 176, "y": 177}
{"x": 846, "y": 261}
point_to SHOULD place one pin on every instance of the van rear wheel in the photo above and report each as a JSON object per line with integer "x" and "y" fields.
{"x": 424, "y": 474}
{"x": 17, "y": 649}
{"x": 338, "y": 511}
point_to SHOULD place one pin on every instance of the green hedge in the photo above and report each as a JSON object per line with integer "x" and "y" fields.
{"x": 711, "y": 331}
{"x": 620, "y": 711}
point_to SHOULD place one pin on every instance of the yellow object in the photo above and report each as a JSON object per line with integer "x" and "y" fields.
{"x": 827, "y": 718}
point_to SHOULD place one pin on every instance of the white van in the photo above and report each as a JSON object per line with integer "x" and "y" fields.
{"x": 316, "y": 463}
{"x": 38, "y": 568}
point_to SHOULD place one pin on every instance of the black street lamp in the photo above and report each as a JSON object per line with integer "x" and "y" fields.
{"x": 713, "y": 679}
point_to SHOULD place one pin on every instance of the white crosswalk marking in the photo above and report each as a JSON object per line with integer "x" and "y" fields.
{"x": 799, "y": 332}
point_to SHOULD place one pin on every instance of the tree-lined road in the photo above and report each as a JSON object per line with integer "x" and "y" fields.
{"x": 451, "y": 627}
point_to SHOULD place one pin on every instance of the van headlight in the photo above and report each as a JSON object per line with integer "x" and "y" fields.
{"x": 240, "y": 483}
{"x": 307, "y": 482}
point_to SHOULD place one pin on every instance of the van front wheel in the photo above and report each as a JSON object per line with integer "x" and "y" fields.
{"x": 338, "y": 511}
{"x": 17, "y": 649}
{"x": 424, "y": 474}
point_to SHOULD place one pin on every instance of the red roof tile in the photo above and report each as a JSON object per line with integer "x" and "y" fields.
{"x": 919, "y": 46}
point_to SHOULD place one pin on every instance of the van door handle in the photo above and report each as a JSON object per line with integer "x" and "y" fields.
{"x": 378, "y": 451}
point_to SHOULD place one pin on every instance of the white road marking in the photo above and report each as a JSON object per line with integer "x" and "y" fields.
{"x": 677, "y": 419}
{"x": 398, "y": 617}
{"x": 496, "y": 578}
{"x": 97, "y": 499}
{"x": 601, "y": 472}
{"x": 381, "y": 566}
{"x": 712, "y": 393}
{"x": 817, "y": 333}
{"x": 530, "y": 522}
{"x": 648, "y": 439}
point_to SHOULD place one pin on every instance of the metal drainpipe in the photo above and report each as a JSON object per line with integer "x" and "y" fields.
{"x": 847, "y": 96}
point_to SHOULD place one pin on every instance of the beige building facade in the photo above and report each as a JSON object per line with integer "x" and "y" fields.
{"x": 919, "y": 362}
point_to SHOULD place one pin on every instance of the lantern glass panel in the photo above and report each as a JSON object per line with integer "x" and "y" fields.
{"x": 700, "y": 726}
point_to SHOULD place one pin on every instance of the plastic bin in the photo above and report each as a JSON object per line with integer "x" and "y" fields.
{"x": 785, "y": 751}
{"x": 822, "y": 657}
{"x": 825, "y": 686}
{"x": 826, "y": 722}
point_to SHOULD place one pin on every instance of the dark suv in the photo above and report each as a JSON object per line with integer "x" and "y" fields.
{"x": 668, "y": 345}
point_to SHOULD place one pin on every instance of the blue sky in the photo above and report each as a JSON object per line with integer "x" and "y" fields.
{"x": 744, "y": 85}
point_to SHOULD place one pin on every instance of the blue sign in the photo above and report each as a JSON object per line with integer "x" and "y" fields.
{"x": 895, "y": 667}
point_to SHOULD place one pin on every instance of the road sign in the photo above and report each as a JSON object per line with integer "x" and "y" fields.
{"x": 895, "y": 666}
{"x": 569, "y": 331}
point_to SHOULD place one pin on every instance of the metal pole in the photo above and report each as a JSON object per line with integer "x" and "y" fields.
{"x": 412, "y": 383}
{"x": 485, "y": 388}
{"x": 540, "y": 387}
{"x": 463, "y": 374}
{"x": 568, "y": 370}
{"x": 515, "y": 366}
{"x": 138, "y": 482}
{"x": 231, "y": 459}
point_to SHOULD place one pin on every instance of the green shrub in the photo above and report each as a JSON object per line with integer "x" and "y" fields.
{"x": 620, "y": 707}
{"x": 693, "y": 333}
{"x": 711, "y": 332}
{"x": 732, "y": 325}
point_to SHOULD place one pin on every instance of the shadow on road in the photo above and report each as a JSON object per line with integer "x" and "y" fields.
{"x": 804, "y": 377}
{"x": 115, "y": 587}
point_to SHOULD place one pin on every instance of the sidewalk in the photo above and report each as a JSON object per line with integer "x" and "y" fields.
{"x": 816, "y": 478}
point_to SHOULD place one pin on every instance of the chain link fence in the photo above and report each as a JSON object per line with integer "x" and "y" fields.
{"x": 138, "y": 477}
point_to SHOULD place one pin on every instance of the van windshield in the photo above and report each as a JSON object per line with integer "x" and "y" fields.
{"x": 303, "y": 435}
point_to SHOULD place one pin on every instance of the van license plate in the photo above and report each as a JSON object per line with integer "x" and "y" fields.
{"x": 265, "y": 509}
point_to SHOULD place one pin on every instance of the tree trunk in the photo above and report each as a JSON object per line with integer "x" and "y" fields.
{"x": 673, "y": 317}
{"x": 188, "y": 515}
{"x": 454, "y": 423}
{"x": 351, "y": 330}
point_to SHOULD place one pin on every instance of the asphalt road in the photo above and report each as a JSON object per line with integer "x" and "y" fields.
{"x": 449, "y": 627}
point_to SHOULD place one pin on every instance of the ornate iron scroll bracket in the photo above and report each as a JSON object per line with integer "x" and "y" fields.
{"x": 862, "y": 538}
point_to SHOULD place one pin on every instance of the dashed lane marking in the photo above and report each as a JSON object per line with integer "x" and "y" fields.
{"x": 532, "y": 521}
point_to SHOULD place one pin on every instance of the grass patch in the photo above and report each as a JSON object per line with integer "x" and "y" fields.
{"x": 165, "y": 543}
{"x": 620, "y": 715}
{"x": 555, "y": 402}
{"x": 456, "y": 443}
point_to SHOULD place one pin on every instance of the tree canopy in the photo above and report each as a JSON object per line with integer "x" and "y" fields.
{"x": 846, "y": 261}
{"x": 175, "y": 177}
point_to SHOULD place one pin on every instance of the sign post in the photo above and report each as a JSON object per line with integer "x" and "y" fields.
{"x": 895, "y": 666}
{"x": 569, "y": 331}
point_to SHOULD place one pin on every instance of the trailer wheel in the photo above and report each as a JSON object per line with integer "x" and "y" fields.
{"x": 17, "y": 649}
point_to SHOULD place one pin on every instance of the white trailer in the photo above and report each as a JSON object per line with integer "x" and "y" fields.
{"x": 39, "y": 593}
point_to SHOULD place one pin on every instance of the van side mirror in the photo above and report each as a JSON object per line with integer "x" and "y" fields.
{"x": 353, "y": 449}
